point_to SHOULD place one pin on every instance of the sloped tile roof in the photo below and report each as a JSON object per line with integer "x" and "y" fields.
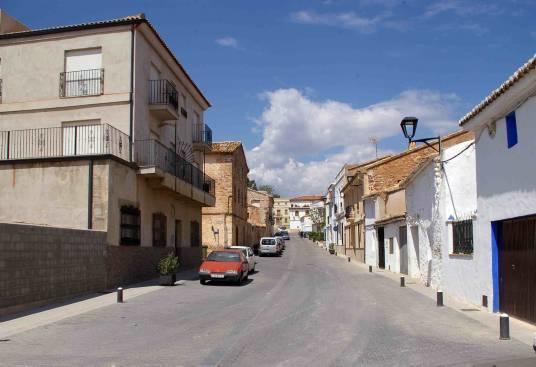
{"x": 513, "y": 79}
{"x": 226, "y": 146}
{"x": 307, "y": 198}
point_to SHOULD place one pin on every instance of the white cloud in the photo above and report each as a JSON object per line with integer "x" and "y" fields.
{"x": 305, "y": 142}
{"x": 462, "y": 8}
{"x": 227, "y": 41}
{"x": 349, "y": 20}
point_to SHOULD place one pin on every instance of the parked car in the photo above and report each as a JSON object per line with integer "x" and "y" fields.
{"x": 224, "y": 265}
{"x": 285, "y": 235}
{"x": 250, "y": 256}
{"x": 281, "y": 240}
{"x": 269, "y": 246}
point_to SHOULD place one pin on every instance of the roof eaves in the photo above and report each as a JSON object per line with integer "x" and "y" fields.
{"x": 525, "y": 69}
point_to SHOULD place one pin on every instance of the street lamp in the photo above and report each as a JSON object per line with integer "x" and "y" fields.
{"x": 409, "y": 127}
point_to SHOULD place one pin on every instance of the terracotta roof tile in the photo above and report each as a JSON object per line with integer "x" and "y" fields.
{"x": 226, "y": 146}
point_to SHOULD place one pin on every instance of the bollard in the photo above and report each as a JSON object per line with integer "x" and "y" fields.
{"x": 504, "y": 326}
{"x": 534, "y": 342}
{"x": 485, "y": 301}
{"x": 370, "y": 268}
{"x": 439, "y": 298}
{"x": 119, "y": 295}
{"x": 402, "y": 281}
{"x": 348, "y": 258}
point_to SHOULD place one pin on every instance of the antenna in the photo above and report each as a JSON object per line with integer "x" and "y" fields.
{"x": 374, "y": 141}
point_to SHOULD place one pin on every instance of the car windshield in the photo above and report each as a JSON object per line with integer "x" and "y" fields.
{"x": 268, "y": 241}
{"x": 223, "y": 256}
{"x": 285, "y": 233}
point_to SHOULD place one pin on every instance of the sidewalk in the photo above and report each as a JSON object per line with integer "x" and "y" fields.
{"x": 30, "y": 319}
{"x": 519, "y": 330}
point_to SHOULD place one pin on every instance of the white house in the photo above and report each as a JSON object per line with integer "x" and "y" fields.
{"x": 505, "y": 227}
{"x": 441, "y": 207}
{"x": 300, "y": 212}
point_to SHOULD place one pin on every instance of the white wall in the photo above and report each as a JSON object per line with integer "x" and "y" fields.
{"x": 371, "y": 241}
{"x": 506, "y": 182}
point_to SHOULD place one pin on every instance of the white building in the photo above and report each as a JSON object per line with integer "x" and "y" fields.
{"x": 505, "y": 227}
{"x": 300, "y": 212}
{"x": 441, "y": 205}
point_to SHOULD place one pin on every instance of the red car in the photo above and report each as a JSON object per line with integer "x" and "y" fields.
{"x": 224, "y": 265}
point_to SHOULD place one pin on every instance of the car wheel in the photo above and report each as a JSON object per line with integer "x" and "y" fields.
{"x": 202, "y": 281}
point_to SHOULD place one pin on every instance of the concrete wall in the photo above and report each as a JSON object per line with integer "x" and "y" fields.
{"x": 40, "y": 264}
{"x": 392, "y": 233}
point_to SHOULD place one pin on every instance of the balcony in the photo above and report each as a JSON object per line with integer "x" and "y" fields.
{"x": 202, "y": 137}
{"x": 167, "y": 170}
{"x": 82, "y": 83}
{"x": 163, "y": 100}
{"x": 69, "y": 141}
{"x": 349, "y": 212}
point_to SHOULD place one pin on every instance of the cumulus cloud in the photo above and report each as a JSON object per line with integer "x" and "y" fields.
{"x": 227, "y": 41}
{"x": 462, "y": 8}
{"x": 349, "y": 20}
{"x": 306, "y": 142}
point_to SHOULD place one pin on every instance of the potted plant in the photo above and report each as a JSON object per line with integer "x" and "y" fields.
{"x": 167, "y": 268}
{"x": 332, "y": 248}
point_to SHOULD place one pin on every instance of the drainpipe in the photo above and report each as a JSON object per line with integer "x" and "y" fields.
{"x": 90, "y": 195}
{"x": 131, "y": 98}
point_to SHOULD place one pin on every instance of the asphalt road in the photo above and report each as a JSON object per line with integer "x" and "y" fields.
{"x": 305, "y": 308}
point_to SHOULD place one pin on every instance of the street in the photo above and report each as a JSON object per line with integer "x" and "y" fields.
{"x": 306, "y": 308}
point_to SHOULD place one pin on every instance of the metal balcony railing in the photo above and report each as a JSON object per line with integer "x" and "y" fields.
{"x": 152, "y": 153}
{"x": 202, "y": 134}
{"x": 82, "y": 83}
{"x": 163, "y": 92}
{"x": 65, "y": 141}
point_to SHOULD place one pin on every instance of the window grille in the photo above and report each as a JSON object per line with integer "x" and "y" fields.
{"x": 159, "y": 230}
{"x": 462, "y": 234}
{"x": 130, "y": 226}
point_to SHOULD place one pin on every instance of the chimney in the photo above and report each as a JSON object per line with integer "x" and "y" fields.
{"x": 8, "y": 24}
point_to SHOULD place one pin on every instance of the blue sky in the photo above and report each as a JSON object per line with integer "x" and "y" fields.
{"x": 305, "y": 84}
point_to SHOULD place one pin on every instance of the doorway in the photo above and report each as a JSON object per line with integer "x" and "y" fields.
{"x": 178, "y": 237}
{"x": 381, "y": 248}
{"x": 403, "y": 249}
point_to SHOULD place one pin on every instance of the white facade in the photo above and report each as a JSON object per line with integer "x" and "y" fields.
{"x": 506, "y": 179}
{"x": 371, "y": 240}
{"x": 338, "y": 209}
{"x": 435, "y": 200}
{"x": 300, "y": 213}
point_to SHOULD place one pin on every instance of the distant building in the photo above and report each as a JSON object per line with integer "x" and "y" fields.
{"x": 300, "y": 212}
{"x": 260, "y": 220}
{"x": 281, "y": 213}
{"x": 225, "y": 224}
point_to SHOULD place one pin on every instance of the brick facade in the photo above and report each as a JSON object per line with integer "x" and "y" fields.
{"x": 226, "y": 222}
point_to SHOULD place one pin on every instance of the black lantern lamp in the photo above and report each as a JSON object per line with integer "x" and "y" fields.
{"x": 409, "y": 127}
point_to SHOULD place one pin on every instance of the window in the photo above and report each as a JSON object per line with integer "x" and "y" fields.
{"x": 159, "y": 230}
{"x": 278, "y": 212}
{"x": 130, "y": 226}
{"x": 83, "y": 75}
{"x": 296, "y": 213}
{"x": 391, "y": 246}
{"x": 511, "y": 129}
{"x": 462, "y": 237}
{"x": 195, "y": 237}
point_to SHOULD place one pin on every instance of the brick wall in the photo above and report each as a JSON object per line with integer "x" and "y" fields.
{"x": 40, "y": 264}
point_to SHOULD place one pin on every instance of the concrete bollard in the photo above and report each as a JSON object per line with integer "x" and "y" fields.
{"x": 119, "y": 295}
{"x": 439, "y": 298}
{"x": 534, "y": 342}
{"x": 370, "y": 268}
{"x": 485, "y": 301}
{"x": 348, "y": 258}
{"x": 504, "y": 327}
{"x": 402, "y": 281}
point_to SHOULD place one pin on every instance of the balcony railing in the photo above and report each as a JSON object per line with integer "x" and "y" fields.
{"x": 54, "y": 142}
{"x": 152, "y": 153}
{"x": 82, "y": 83}
{"x": 349, "y": 212}
{"x": 163, "y": 92}
{"x": 202, "y": 134}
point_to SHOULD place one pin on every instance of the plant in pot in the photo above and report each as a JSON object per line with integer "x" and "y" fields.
{"x": 332, "y": 248}
{"x": 167, "y": 268}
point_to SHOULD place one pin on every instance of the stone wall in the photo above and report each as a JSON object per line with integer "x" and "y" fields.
{"x": 41, "y": 264}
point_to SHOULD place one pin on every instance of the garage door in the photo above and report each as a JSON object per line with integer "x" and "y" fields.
{"x": 517, "y": 268}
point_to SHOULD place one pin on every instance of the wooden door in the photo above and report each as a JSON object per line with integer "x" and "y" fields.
{"x": 403, "y": 249}
{"x": 381, "y": 248}
{"x": 517, "y": 268}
